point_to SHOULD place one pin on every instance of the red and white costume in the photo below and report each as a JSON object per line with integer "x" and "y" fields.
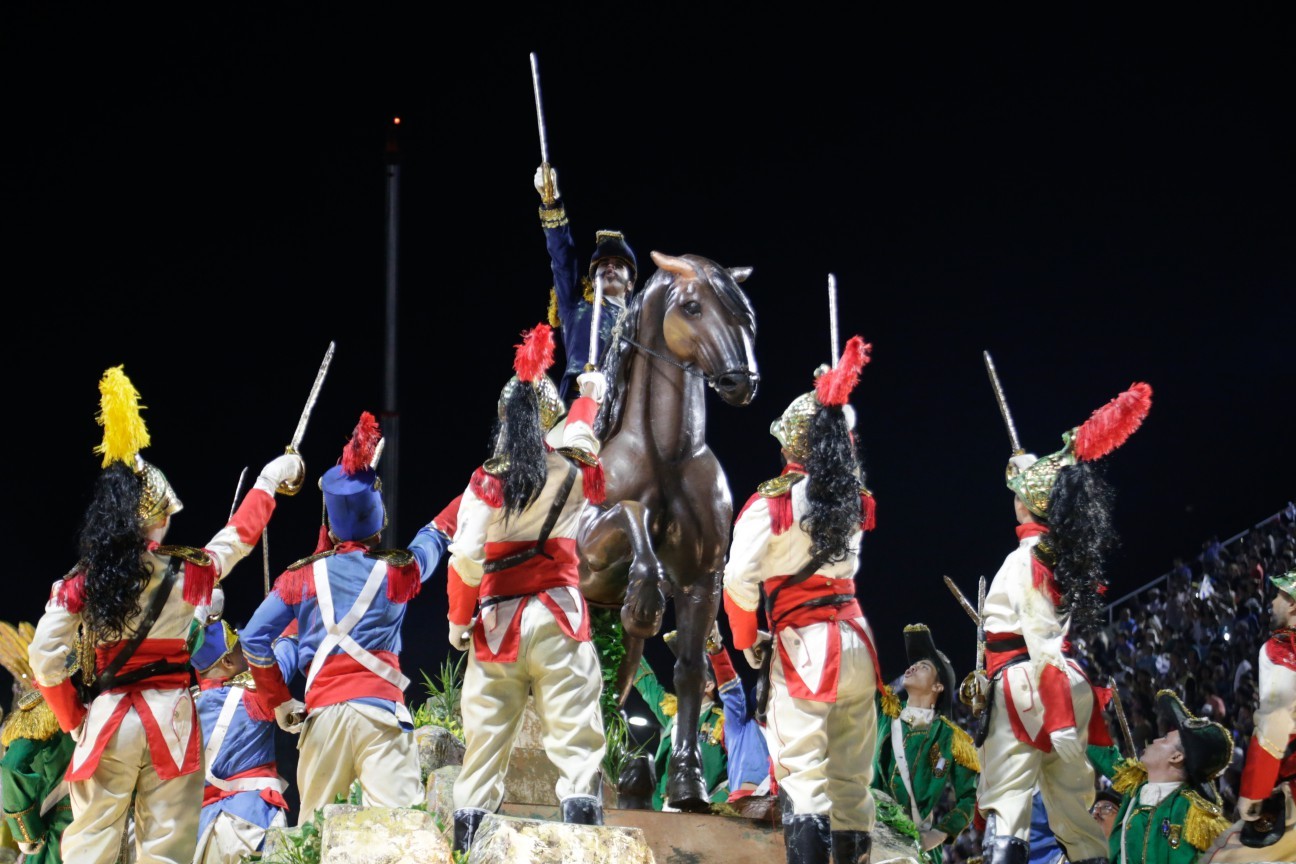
{"x": 141, "y": 738}
{"x": 1270, "y": 759}
{"x": 1037, "y": 690}
{"x": 533, "y": 632}
{"x": 821, "y": 722}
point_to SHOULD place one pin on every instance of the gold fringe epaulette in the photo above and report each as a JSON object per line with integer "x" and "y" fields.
{"x": 394, "y": 557}
{"x": 309, "y": 559}
{"x": 587, "y": 289}
{"x": 669, "y": 705}
{"x": 244, "y": 680}
{"x": 1205, "y": 821}
{"x": 555, "y": 320}
{"x": 717, "y": 730}
{"x": 890, "y": 702}
{"x": 965, "y": 751}
{"x": 1128, "y": 776}
{"x": 779, "y": 485}
{"x": 33, "y": 719}
{"x": 584, "y": 457}
{"x": 185, "y": 553}
{"x": 496, "y": 465}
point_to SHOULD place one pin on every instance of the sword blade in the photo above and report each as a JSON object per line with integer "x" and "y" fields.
{"x": 963, "y": 601}
{"x": 594, "y": 323}
{"x": 1121, "y": 719}
{"x": 832, "y": 316}
{"x": 238, "y": 492}
{"x": 265, "y": 558}
{"x": 540, "y": 121}
{"x": 311, "y": 399}
{"x": 1003, "y": 403}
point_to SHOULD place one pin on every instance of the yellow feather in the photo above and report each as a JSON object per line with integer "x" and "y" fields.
{"x": 1205, "y": 822}
{"x": 119, "y": 413}
{"x": 554, "y": 320}
{"x": 890, "y": 702}
{"x": 669, "y": 705}
{"x": 1129, "y": 775}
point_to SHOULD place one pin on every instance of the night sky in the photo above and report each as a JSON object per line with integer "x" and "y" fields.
{"x": 199, "y": 195}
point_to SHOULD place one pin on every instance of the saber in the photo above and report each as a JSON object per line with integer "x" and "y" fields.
{"x": 979, "y": 705}
{"x": 832, "y": 316}
{"x": 1003, "y": 404}
{"x": 238, "y": 492}
{"x": 294, "y": 488}
{"x": 550, "y": 194}
{"x": 373, "y": 463}
{"x": 592, "y": 362}
{"x": 963, "y": 601}
{"x": 265, "y": 558}
{"x": 1120, "y": 718}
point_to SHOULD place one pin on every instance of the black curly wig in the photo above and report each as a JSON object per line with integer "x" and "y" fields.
{"x": 112, "y": 547}
{"x": 1081, "y": 535}
{"x": 523, "y": 443}
{"x": 832, "y": 485}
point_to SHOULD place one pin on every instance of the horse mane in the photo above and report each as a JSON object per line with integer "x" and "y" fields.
{"x": 617, "y": 361}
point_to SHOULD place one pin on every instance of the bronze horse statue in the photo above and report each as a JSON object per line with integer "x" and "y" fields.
{"x": 664, "y": 528}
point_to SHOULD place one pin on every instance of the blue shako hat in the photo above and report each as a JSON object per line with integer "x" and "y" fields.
{"x": 612, "y": 244}
{"x": 352, "y": 490}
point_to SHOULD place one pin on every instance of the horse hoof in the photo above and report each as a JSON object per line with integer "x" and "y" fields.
{"x": 688, "y": 793}
{"x": 637, "y": 627}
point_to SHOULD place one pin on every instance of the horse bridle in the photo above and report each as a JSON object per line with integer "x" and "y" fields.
{"x": 692, "y": 370}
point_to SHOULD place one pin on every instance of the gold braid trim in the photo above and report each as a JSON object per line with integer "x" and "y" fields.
{"x": 964, "y": 748}
{"x": 37, "y": 723}
{"x": 1129, "y": 775}
{"x": 553, "y": 218}
{"x": 669, "y": 705}
{"x": 890, "y": 702}
{"x": 717, "y": 730}
{"x": 555, "y": 321}
{"x": 185, "y": 553}
{"x": 1205, "y": 821}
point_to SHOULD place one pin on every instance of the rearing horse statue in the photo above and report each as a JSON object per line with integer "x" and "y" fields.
{"x": 664, "y": 528}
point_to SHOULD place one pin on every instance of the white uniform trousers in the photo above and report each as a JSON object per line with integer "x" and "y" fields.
{"x": 1010, "y": 769}
{"x": 565, "y": 677}
{"x": 823, "y": 751}
{"x": 166, "y": 811}
{"x": 348, "y": 741}
{"x": 230, "y": 837}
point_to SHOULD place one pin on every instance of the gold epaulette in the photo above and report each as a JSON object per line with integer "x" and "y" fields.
{"x": 964, "y": 749}
{"x": 33, "y": 719}
{"x": 717, "y": 730}
{"x": 584, "y": 457}
{"x": 890, "y": 702}
{"x": 1205, "y": 821}
{"x": 588, "y": 289}
{"x": 553, "y": 217}
{"x": 394, "y": 557}
{"x": 669, "y": 705}
{"x": 496, "y": 465}
{"x": 309, "y": 559}
{"x": 244, "y": 680}
{"x": 779, "y": 485}
{"x": 1129, "y": 775}
{"x": 185, "y": 553}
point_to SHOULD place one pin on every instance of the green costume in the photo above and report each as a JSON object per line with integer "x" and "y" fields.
{"x": 1174, "y": 831}
{"x": 33, "y": 767}
{"x": 710, "y": 737}
{"x": 938, "y": 755}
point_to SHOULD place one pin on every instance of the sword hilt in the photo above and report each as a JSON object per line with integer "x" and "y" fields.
{"x": 291, "y": 488}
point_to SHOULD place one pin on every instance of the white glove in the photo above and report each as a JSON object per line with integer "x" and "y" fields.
{"x": 592, "y": 385}
{"x": 756, "y": 653}
{"x": 290, "y": 715}
{"x": 461, "y": 635}
{"x": 210, "y": 612}
{"x": 540, "y": 182}
{"x": 1066, "y": 744}
{"x": 931, "y": 838}
{"x": 1248, "y": 808}
{"x": 281, "y": 472}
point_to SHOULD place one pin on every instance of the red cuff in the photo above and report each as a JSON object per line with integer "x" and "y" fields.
{"x": 447, "y": 521}
{"x": 723, "y": 666}
{"x": 583, "y": 410}
{"x": 1055, "y": 694}
{"x": 1259, "y": 774}
{"x": 741, "y": 623}
{"x": 463, "y": 599}
{"x": 66, "y": 703}
{"x": 270, "y": 686}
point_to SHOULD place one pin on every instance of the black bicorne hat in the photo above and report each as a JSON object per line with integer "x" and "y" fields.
{"x": 612, "y": 244}
{"x": 919, "y": 645}
{"x": 1207, "y": 746}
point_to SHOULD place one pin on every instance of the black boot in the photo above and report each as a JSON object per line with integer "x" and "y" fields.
{"x": 582, "y": 810}
{"x": 1002, "y": 849}
{"x": 465, "y": 827}
{"x": 851, "y": 847}
{"x": 807, "y": 838}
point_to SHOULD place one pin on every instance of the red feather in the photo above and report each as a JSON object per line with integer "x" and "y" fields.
{"x": 1111, "y": 424}
{"x": 834, "y": 386}
{"x": 359, "y": 451}
{"x": 535, "y": 354}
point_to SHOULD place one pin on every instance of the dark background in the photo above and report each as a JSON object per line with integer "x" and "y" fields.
{"x": 1096, "y": 199}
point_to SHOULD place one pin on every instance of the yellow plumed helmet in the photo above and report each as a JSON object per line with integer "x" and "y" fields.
{"x": 125, "y": 435}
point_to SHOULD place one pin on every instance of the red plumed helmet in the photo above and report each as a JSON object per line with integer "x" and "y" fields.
{"x": 535, "y": 354}
{"x": 834, "y": 386}
{"x": 359, "y": 452}
{"x": 1109, "y": 426}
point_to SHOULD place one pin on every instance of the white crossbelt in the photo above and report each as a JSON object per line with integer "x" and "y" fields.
{"x": 338, "y": 633}
{"x": 242, "y": 784}
{"x": 897, "y": 747}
